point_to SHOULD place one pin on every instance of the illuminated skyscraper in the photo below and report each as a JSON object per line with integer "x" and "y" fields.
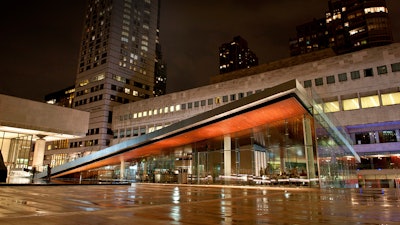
{"x": 116, "y": 64}
{"x": 236, "y": 55}
{"x": 358, "y": 24}
{"x": 349, "y": 25}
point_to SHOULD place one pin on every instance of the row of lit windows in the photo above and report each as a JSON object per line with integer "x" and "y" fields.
{"x": 354, "y": 75}
{"x": 383, "y": 99}
{"x": 151, "y": 112}
{"x": 362, "y": 102}
{"x": 98, "y": 77}
{"x": 189, "y": 105}
{"x": 349, "y": 104}
{"x": 375, "y": 10}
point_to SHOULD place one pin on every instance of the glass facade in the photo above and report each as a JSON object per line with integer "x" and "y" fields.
{"x": 284, "y": 152}
{"x": 280, "y": 152}
{"x": 16, "y": 149}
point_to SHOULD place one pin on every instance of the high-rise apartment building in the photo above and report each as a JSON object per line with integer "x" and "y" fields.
{"x": 236, "y": 55}
{"x": 358, "y": 24}
{"x": 350, "y": 25}
{"x": 116, "y": 64}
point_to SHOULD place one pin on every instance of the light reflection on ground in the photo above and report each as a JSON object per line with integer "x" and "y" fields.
{"x": 186, "y": 204}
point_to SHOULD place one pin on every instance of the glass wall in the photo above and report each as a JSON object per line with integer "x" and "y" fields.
{"x": 280, "y": 153}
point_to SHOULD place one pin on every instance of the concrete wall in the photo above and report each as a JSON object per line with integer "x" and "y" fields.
{"x": 357, "y": 61}
{"x": 27, "y": 114}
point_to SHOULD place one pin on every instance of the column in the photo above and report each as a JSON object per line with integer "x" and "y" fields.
{"x": 38, "y": 154}
{"x": 308, "y": 146}
{"x": 227, "y": 155}
{"x": 122, "y": 170}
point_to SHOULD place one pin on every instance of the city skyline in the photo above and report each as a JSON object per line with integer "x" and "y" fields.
{"x": 42, "y": 39}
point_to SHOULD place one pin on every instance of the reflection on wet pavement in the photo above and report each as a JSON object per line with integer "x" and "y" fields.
{"x": 185, "y": 204}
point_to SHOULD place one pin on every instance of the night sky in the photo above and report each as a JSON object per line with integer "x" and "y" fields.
{"x": 39, "y": 40}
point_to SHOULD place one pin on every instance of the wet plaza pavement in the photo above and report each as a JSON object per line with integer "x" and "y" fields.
{"x": 192, "y": 204}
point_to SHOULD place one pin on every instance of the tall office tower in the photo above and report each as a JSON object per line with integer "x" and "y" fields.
{"x": 116, "y": 64}
{"x": 236, "y": 55}
{"x": 350, "y": 25}
{"x": 358, "y": 24}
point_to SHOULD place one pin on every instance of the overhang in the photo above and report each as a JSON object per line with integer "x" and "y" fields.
{"x": 272, "y": 104}
{"x": 21, "y": 116}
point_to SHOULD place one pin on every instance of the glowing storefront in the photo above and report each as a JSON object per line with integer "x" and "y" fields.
{"x": 266, "y": 138}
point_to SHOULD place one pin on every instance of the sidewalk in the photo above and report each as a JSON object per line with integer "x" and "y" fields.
{"x": 194, "y": 204}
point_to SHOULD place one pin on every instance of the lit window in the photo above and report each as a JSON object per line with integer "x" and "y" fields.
{"x": 83, "y": 83}
{"x": 317, "y": 108}
{"x": 350, "y": 104}
{"x": 171, "y": 108}
{"x": 390, "y": 98}
{"x": 357, "y": 30}
{"x": 140, "y": 115}
{"x": 165, "y": 109}
{"x": 145, "y": 113}
{"x": 177, "y": 107}
{"x": 152, "y": 129}
{"x": 375, "y": 10}
{"x": 135, "y": 115}
{"x": 370, "y": 101}
{"x": 331, "y": 106}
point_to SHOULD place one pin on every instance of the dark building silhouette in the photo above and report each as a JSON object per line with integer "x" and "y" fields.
{"x": 236, "y": 55}
{"x": 311, "y": 36}
{"x": 64, "y": 97}
{"x": 350, "y": 25}
{"x": 160, "y": 68}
